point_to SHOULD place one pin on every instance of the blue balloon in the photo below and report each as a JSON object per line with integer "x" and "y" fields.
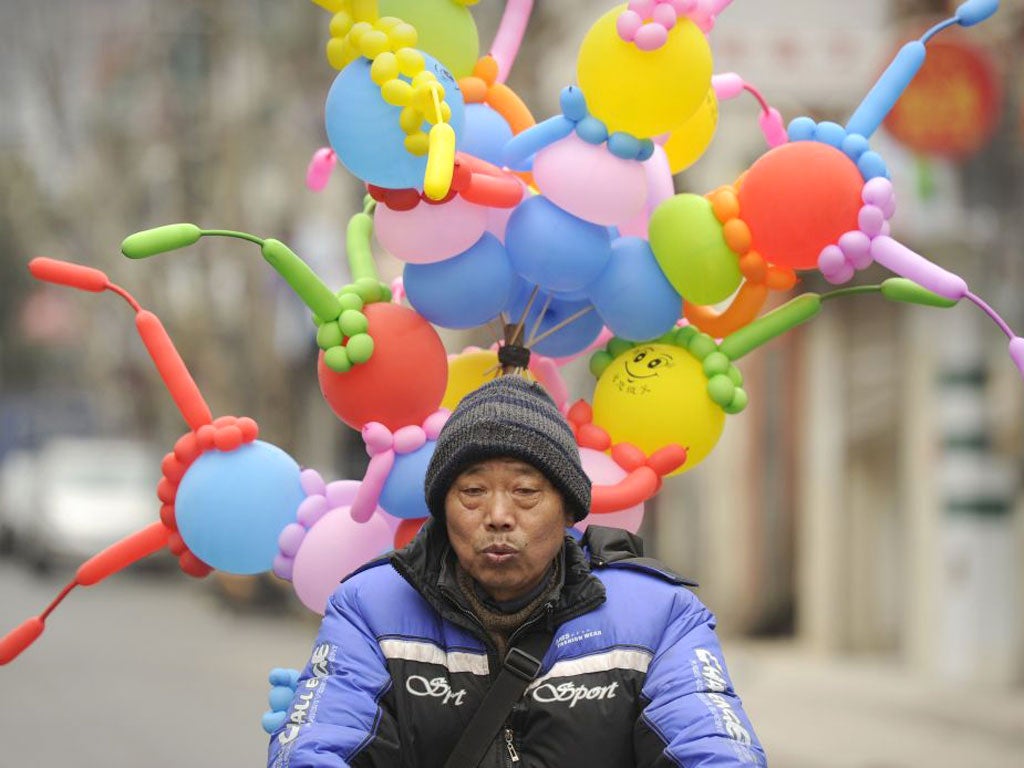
{"x": 402, "y": 495}
{"x": 272, "y": 720}
{"x": 464, "y": 291}
{"x": 486, "y": 133}
{"x": 280, "y": 697}
{"x": 830, "y": 133}
{"x": 573, "y": 338}
{"x": 364, "y": 132}
{"x": 580, "y": 295}
{"x": 231, "y": 506}
{"x": 553, "y": 248}
{"x": 633, "y": 296}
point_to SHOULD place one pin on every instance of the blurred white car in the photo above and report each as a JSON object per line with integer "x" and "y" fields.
{"x": 16, "y": 490}
{"x": 77, "y": 496}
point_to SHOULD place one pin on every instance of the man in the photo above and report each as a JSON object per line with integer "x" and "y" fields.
{"x": 632, "y": 673}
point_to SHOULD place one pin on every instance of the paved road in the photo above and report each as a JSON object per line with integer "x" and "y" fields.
{"x": 150, "y": 671}
{"x": 813, "y": 712}
{"x": 143, "y": 670}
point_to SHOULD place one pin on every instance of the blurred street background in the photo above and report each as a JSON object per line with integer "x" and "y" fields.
{"x": 859, "y": 529}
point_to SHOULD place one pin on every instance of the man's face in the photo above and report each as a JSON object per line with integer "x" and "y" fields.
{"x": 506, "y": 522}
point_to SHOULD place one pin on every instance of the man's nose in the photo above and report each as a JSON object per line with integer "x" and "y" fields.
{"x": 501, "y": 512}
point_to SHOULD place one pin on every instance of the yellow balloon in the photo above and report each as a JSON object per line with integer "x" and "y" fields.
{"x": 466, "y": 372}
{"x": 644, "y": 93}
{"x": 689, "y": 141}
{"x": 654, "y": 395}
{"x": 437, "y": 179}
{"x": 330, "y": 5}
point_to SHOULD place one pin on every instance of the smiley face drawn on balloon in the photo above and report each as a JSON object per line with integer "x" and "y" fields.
{"x": 656, "y": 394}
{"x": 647, "y": 362}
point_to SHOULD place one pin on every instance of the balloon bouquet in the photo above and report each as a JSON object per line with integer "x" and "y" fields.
{"x": 566, "y": 234}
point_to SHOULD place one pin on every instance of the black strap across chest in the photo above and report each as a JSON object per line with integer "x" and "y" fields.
{"x": 520, "y": 668}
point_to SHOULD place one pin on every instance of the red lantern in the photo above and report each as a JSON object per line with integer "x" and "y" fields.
{"x": 952, "y": 106}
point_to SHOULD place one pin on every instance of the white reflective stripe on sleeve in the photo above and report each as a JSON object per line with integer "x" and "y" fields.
{"x": 454, "y": 661}
{"x": 619, "y": 658}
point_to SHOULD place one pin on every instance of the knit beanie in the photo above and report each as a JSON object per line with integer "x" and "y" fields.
{"x": 514, "y": 417}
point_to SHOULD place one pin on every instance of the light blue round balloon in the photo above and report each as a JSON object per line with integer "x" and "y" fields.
{"x": 486, "y": 133}
{"x": 464, "y": 291}
{"x": 554, "y": 249}
{"x": 402, "y": 495}
{"x": 364, "y": 132}
{"x": 231, "y": 506}
{"x": 632, "y": 295}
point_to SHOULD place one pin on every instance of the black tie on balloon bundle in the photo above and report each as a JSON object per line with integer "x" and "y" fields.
{"x": 511, "y": 354}
{"x": 513, "y": 351}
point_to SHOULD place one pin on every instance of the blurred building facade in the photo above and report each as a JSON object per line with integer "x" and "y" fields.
{"x": 868, "y": 500}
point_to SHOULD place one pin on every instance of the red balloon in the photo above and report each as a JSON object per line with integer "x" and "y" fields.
{"x": 407, "y": 531}
{"x": 797, "y": 198}
{"x": 403, "y": 381}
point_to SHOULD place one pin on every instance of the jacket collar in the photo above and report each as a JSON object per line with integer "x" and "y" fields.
{"x": 428, "y": 564}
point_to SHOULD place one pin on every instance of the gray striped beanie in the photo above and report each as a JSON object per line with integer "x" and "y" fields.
{"x": 514, "y": 417}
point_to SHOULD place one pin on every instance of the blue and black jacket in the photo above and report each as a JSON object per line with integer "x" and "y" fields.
{"x": 634, "y": 676}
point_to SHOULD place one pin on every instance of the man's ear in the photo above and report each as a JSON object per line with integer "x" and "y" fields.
{"x": 570, "y": 521}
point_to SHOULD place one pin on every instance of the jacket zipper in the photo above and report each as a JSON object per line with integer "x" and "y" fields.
{"x": 512, "y": 754}
{"x": 549, "y": 609}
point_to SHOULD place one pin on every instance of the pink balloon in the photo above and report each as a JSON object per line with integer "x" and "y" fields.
{"x": 636, "y": 227}
{"x": 602, "y": 470}
{"x": 391, "y": 521}
{"x": 628, "y": 519}
{"x": 659, "y": 188}
{"x": 590, "y": 182}
{"x": 430, "y": 233}
{"x": 331, "y": 550}
{"x": 547, "y": 372}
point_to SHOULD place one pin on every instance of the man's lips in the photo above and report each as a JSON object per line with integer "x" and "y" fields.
{"x": 499, "y": 553}
{"x": 500, "y": 549}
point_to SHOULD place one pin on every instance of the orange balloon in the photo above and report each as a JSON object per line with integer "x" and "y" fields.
{"x": 744, "y": 308}
{"x": 797, "y": 198}
{"x": 403, "y": 381}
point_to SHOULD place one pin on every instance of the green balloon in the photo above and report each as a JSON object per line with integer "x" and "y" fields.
{"x": 721, "y": 389}
{"x": 360, "y": 348}
{"x": 329, "y": 335}
{"x": 738, "y": 403}
{"x": 446, "y": 30}
{"x": 336, "y": 358}
{"x": 169, "y": 237}
{"x": 902, "y": 289}
{"x": 352, "y": 321}
{"x": 688, "y": 243}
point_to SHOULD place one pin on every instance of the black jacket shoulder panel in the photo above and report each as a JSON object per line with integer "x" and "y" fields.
{"x": 618, "y": 548}
{"x": 654, "y": 568}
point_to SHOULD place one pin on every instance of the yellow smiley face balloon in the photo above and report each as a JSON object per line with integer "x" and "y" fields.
{"x": 654, "y": 395}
